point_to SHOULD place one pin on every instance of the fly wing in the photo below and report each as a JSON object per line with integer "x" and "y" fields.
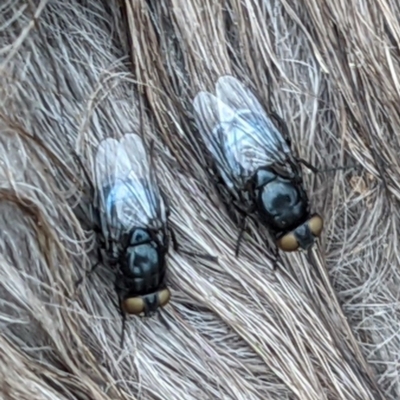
{"x": 238, "y": 133}
{"x": 105, "y": 178}
{"x": 127, "y": 192}
{"x": 262, "y": 142}
{"x": 211, "y": 115}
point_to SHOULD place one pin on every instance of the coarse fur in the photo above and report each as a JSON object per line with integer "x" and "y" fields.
{"x": 322, "y": 326}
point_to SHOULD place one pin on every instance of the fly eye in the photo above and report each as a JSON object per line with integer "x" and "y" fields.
{"x": 288, "y": 242}
{"x": 163, "y": 297}
{"x": 316, "y": 224}
{"x": 134, "y": 305}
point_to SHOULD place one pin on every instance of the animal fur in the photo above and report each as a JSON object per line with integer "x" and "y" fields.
{"x": 75, "y": 72}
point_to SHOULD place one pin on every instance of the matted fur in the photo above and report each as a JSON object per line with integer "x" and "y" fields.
{"x": 73, "y": 73}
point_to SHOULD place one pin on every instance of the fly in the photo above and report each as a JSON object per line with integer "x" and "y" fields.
{"x": 131, "y": 214}
{"x": 255, "y": 161}
{"x": 132, "y": 217}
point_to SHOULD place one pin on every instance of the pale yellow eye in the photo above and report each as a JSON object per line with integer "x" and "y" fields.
{"x": 288, "y": 242}
{"x": 163, "y": 297}
{"x": 316, "y": 225}
{"x": 134, "y": 305}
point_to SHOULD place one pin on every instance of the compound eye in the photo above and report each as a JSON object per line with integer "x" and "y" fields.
{"x": 316, "y": 225}
{"x": 134, "y": 305}
{"x": 288, "y": 242}
{"x": 164, "y": 297}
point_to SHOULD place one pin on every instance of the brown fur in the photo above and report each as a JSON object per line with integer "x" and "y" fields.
{"x": 72, "y": 74}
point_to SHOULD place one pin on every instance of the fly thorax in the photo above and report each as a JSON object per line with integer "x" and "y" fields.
{"x": 142, "y": 260}
{"x": 282, "y": 203}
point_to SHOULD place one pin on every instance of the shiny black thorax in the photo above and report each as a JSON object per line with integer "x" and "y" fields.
{"x": 142, "y": 263}
{"x": 280, "y": 202}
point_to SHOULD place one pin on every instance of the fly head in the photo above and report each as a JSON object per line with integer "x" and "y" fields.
{"x": 302, "y": 236}
{"x": 147, "y": 305}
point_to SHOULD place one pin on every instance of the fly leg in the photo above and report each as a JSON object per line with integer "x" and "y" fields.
{"x": 121, "y": 311}
{"x": 163, "y": 319}
{"x": 308, "y": 165}
{"x": 245, "y": 212}
{"x": 275, "y": 249}
{"x": 283, "y": 127}
{"x": 285, "y": 133}
{"x": 275, "y": 252}
{"x": 320, "y": 171}
{"x": 175, "y": 244}
{"x": 339, "y": 168}
{"x": 242, "y": 228}
{"x": 178, "y": 249}
{"x": 90, "y": 271}
{"x": 90, "y": 213}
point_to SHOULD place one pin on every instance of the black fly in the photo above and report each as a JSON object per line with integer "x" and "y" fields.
{"x": 131, "y": 215}
{"x": 256, "y": 163}
{"x": 133, "y": 219}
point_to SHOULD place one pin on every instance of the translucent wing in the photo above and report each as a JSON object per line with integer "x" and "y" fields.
{"x": 211, "y": 116}
{"x": 127, "y": 192}
{"x": 238, "y": 132}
